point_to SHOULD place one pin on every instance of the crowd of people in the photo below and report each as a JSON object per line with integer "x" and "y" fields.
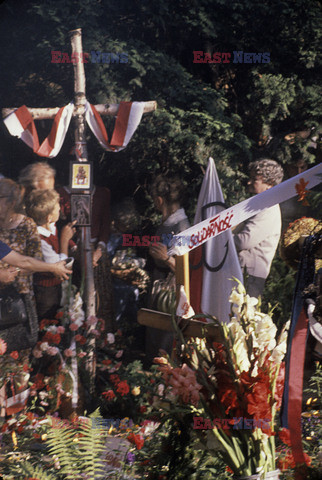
{"x": 38, "y": 234}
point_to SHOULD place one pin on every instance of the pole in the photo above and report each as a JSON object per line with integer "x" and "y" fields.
{"x": 80, "y": 145}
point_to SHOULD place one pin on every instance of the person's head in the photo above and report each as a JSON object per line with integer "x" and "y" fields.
{"x": 125, "y": 217}
{"x": 264, "y": 174}
{"x": 166, "y": 191}
{"x": 43, "y": 206}
{"x": 39, "y": 176}
{"x": 296, "y": 167}
{"x": 10, "y": 199}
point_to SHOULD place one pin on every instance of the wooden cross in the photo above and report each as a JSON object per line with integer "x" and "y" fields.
{"x": 80, "y": 145}
{"x": 80, "y": 141}
{"x": 163, "y": 321}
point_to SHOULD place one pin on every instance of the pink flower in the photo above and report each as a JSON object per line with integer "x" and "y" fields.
{"x": 91, "y": 321}
{"x": 52, "y": 351}
{"x": 81, "y": 354}
{"x": 60, "y": 329}
{"x": 73, "y": 327}
{"x": 3, "y": 346}
{"x": 119, "y": 354}
{"x": 69, "y": 352}
{"x": 95, "y": 332}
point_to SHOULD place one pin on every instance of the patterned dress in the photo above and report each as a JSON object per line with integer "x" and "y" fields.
{"x": 23, "y": 239}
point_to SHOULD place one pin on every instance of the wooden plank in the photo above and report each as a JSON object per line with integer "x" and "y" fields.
{"x": 189, "y": 328}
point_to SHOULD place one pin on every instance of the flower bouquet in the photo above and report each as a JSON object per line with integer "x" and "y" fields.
{"x": 61, "y": 353}
{"x": 233, "y": 388}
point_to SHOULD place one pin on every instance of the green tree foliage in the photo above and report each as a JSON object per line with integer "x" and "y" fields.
{"x": 224, "y": 110}
{"x": 234, "y": 112}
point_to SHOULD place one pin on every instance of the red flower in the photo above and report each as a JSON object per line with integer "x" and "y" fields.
{"x": 59, "y": 315}
{"x": 286, "y": 462}
{"x": 279, "y": 387}
{"x": 142, "y": 409}
{"x": 14, "y": 354}
{"x": 80, "y": 338}
{"x": 106, "y": 362}
{"x": 123, "y": 388}
{"x": 284, "y": 436}
{"x": 109, "y": 395}
{"x": 114, "y": 378}
{"x": 137, "y": 440}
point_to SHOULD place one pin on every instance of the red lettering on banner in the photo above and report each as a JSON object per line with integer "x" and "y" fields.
{"x": 211, "y": 230}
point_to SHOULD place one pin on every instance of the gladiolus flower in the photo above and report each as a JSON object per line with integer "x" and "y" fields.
{"x": 73, "y": 327}
{"x": 14, "y": 354}
{"x": 137, "y": 440}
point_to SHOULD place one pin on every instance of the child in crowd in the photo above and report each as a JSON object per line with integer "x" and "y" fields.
{"x": 43, "y": 207}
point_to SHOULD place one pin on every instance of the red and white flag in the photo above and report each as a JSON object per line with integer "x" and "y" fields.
{"x": 213, "y": 264}
{"x": 21, "y": 124}
{"x": 128, "y": 118}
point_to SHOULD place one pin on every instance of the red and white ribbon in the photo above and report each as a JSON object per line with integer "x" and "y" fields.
{"x": 213, "y": 226}
{"x": 128, "y": 118}
{"x": 21, "y": 124}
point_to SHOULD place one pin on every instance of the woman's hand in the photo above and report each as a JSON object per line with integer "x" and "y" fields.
{"x": 159, "y": 252}
{"x": 160, "y": 255}
{"x": 59, "y": 269}
{"x": 7, "y": 275}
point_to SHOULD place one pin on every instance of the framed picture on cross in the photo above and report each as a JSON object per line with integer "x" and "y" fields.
{"x": 81, "y": 210}
{"x": 80, "y": 176}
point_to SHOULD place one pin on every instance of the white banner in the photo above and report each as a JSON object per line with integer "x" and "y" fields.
{"x": 213, "y": 226}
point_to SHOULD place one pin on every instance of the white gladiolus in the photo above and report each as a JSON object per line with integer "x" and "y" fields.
{"x": 265, "y": 331}
{"x": 76, "y": 312}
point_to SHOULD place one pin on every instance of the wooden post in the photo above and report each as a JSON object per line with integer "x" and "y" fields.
{"x": 80, "y": 145}
{"x": 182, "y": 275}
